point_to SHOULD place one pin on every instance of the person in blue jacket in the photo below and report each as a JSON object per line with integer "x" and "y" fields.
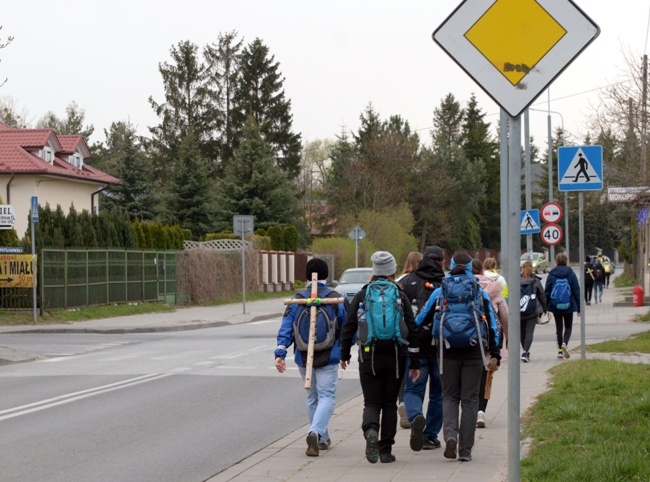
{"x": 563, "y": 316}
{"x": 321, "y": 395}
{"x": 462, "y": 368}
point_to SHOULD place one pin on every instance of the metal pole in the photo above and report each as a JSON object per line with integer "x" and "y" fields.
{"x": 243, "y": 266}
{"x": 581, "y": 235}
{"x": 356, "y": 247}
{"x": 550, "y": 168}
{"x": 529, "y": 202}
{"x": 566, "y": 227}
{"x": 34, "y": 268}
{"x": 514, "y": 329}
{"x": 503, "y": 138}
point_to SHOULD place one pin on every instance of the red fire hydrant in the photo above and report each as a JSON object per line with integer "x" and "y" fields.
{"x": 637, "y": 295}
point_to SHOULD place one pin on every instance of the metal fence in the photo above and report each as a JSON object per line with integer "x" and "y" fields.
{"x": 74, "y": 277}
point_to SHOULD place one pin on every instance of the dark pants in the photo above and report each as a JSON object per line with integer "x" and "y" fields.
{"x": 589, "y": 287}
{"x": 527, "y": 332}
{"x": 563, "y": 326}
{"x": 461, "y": 380}
{"x": 380, "y": 391}
{"x": 607, "y": 275}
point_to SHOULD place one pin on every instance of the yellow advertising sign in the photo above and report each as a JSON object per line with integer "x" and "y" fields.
{"x": 16, "y": 271}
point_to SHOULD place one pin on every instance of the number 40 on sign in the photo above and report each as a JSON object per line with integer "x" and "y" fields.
{"x": 551, "y": 234}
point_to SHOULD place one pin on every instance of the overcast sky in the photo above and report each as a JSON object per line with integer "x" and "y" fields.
{"x": 336, "y": 57}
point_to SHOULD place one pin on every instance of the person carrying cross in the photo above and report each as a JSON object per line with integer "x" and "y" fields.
{"x": 325, "y": 349}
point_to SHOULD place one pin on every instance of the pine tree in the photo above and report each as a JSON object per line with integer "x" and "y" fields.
{"x": 260, "y": 94}
{"x": 190, "y": 198}
{"x": 254, "y": 185}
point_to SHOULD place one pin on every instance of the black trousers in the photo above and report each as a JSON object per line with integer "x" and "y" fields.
{"x": 563, "y": 326}
{"x": 589, "y": 288}
{"x": 380, "y": 391}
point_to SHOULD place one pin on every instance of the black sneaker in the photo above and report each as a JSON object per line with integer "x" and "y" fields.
{"x": 417, "y": 427}
{"x": 372, "y": 446}
{"x": 431, "y": 443}
{"x": 324, "y": 444}
{"x": 312, "y": 444}
{"x": 450, "y": 449}
{"x": 525, "y": 357}
{"x": 386, "y": 458}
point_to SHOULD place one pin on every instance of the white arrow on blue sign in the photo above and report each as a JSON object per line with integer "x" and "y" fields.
{"x": 580, "y": 168}
{"x": 530, "y": 222}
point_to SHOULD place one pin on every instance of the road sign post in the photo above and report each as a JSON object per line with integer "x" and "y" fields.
{"x": 514, "y": 49}
{"x": 357, "y": 234}
{"x": 33, "y": 212}
{"x": 244, "y": 226}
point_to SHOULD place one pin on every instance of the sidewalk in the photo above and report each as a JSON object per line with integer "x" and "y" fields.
{"x": 285, "y": 459}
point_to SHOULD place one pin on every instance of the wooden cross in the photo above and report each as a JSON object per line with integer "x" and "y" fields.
{"x": 490, "y": 375}
{"x": 314, "y": 302}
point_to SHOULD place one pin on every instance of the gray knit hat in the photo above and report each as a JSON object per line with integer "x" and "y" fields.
{"x": 383, "y": 264}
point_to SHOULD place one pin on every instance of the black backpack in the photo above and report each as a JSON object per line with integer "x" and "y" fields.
{"x": 528, "y": 301}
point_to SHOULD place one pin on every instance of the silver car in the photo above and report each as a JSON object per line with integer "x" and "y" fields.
{"x": 352, "y": 280}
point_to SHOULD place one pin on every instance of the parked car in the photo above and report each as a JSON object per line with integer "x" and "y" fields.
{"x": 540, "y": 263}
{"x": 352, "y": 280}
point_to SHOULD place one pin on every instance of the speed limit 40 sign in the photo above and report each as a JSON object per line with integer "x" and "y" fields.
{"x": 551, "y": 234}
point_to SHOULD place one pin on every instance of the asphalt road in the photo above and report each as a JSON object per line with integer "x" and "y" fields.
{"x": 165, "y": 407}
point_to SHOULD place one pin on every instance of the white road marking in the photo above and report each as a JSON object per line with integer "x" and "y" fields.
{"x": 74, "y": 396}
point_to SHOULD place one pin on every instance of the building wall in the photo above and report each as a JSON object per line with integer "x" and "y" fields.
{"x": 52, "y": 190}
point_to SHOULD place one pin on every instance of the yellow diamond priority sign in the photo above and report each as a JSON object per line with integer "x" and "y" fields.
{"x": 515, "y": 48}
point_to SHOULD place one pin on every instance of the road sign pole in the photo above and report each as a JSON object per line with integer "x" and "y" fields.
{"x": 529, "y": 201}
{"x": 566, "y": 228}
{"x": 514, "y": 329}
{"x": 581, "y": 235}
{"x": 243, "y": 267}
{"x": 356, "y": 248}
{"x": 503, "y": 137}
{"x": 34, "y": 269}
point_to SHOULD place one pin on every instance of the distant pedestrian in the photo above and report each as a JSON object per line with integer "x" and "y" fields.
{"x": 607, "y": 266}
{"x": 563, "y": 295}
{"x": 465, "y": 329}
{"x": 381, "y": 317}
{"x": 411, "y": 264}
{"x": 424, "y": 431}
{"x": 599, "y": 279}
{"x": 493, "y": 289}
{"x": 588, "y": 267}
{"x": 321, "y": 395}
{"x": 532, "y": 304}
{"x": 490, "y": 271}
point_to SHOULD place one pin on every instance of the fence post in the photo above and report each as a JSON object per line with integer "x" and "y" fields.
{"x": 87, "y": 281}
{"x": 126, "y": 277}
{"x": 65, "y": 279}
{"x": 108, "y": 288}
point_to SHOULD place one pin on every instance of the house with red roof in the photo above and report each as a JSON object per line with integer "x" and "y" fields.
{"x": 38, "y": 162}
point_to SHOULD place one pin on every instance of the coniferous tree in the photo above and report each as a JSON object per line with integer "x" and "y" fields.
{"x": 72, "y": 124}
{"x": 190, "y": 198}
{"x": 135, "y": 193}
{"x": 260, "y": 94}
{"x": 88, "y": 235}
{"x": 254, "y": 185}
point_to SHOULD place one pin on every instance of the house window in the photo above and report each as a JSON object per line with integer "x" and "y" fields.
{"x": 78, "y": 161}
{"x": 48, "y": 155}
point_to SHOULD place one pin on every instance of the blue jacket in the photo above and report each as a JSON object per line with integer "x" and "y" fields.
{"x": 286, "y": 338}
{"x": 426, "y": 316}
{"x": 553, "y": 276}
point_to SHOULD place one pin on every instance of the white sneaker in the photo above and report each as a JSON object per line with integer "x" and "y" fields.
{"x": 565, "y": 351}
{"x": 480, "y": 419}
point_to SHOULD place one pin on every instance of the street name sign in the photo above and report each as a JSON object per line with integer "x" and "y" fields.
{"x": 580, "y": 168}
{"x": 514, "y": 49}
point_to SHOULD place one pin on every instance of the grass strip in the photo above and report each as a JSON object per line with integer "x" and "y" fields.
{"x": 639, "y": 343}
{"x": 592, "y": 424}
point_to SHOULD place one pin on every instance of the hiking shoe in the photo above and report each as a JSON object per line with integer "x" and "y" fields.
{"x": 525, "y": 357}
{"x": 565, "y": 351}
{"x": 480, "y": 419}
{"x": 450, "y": 449}
{"x": 431, "y": 443}
{"x": 324, "y": 444}
{"x": 417, "y": 427}
{"x": 465, "y": 458}
{"x": 372, "y": 446}
{"x": 403, "y": 418}
{"x": 560, "y": 354}
{"x": 600, "y": 300}
{"x": 386, "y": 458}
{"x": 588, "y": 303}
{"x": 312, "y": 444}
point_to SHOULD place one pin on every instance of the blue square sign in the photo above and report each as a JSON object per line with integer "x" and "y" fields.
{"x": 530, "y": 222}
{"x": 580, "y": 168}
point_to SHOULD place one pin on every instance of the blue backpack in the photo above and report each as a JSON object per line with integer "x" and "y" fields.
{"x": 561, "y": 294}
{"x": 460, "y": 321}
{"x": 384, "y": 314}
{"x": 326, "y": 328}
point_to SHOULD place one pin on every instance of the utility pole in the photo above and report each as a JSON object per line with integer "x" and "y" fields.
{"x": 644, "y": 163}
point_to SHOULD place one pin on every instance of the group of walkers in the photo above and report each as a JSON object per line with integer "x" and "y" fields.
{"x": 422, "y": 330}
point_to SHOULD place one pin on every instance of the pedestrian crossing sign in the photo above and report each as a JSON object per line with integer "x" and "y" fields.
{"x": 580, "y": 168}
{"x": 530, "y": 222}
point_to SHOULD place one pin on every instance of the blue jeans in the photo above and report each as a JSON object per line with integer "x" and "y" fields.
{"x": 414, "y": 396}
{"x": 598, "y": 290}
{"x": 321, "y": 398}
